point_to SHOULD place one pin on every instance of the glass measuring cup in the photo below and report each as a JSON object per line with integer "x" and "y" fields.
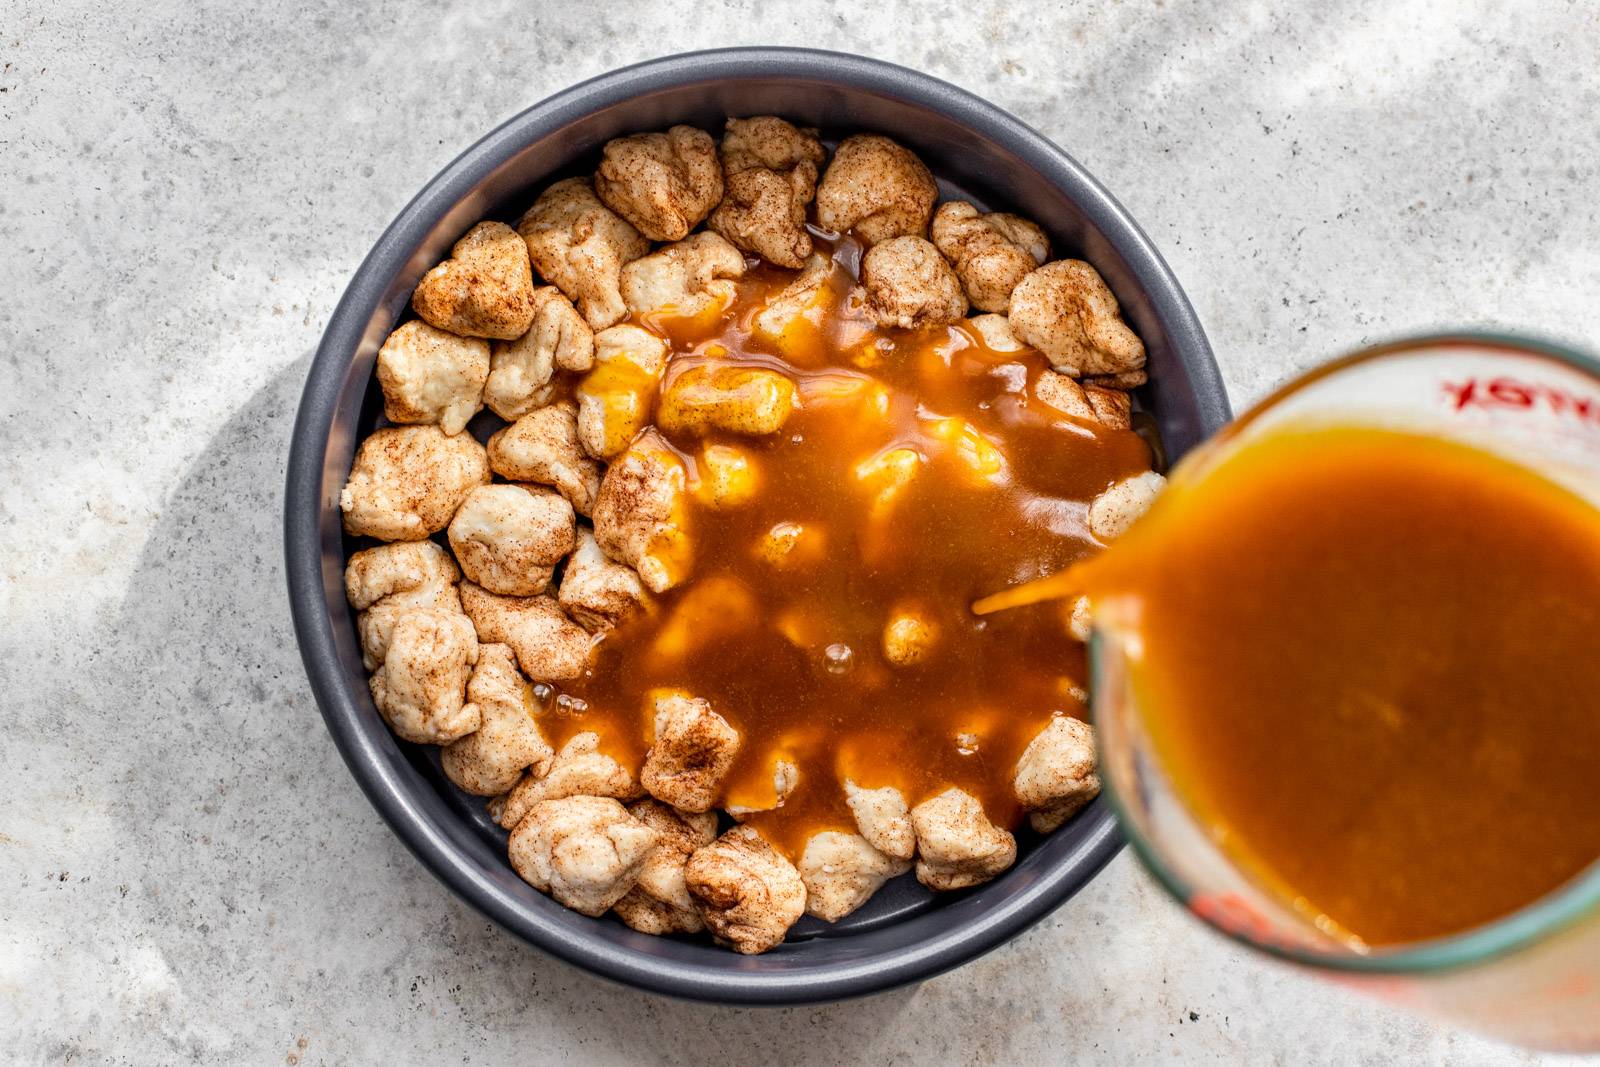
{"x": 1532, "y": 977}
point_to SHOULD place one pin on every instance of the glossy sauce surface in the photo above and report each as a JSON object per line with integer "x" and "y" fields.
{"x": 789, "y": 652}
{"x": 1370, "y": 664}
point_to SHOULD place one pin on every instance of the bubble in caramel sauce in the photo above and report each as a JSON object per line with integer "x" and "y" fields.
{"x": 838, "y": 658}
{"x": 567, "y": 704}
{"x": 913, "y": 469}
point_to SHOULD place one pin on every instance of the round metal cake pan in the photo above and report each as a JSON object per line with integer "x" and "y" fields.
{"x": 977, "y": 150}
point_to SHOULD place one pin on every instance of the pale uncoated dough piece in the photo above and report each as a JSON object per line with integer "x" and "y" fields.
{"x": 691, "y": 755}
{"x": 663, "y": 183}
{"x": 979, "y": 454}
{"x": 688, "y": 277}
{"x": 1115, "y": 509}
{"x": 420, "y": 688}
{"x": 489, "y": 761}
{"x": 597, "y": 592}
{"x": 407, "y": 481}
{"x": 579, "y": 769}
{"x": 726, "y": 477}
{"x": 909, "y": 637}
{"x": 909, "y": 284}
{"x": 752, "y": 401}
{"x": 747, "y": 894}
{"x": 1080, "y": 618}
{"x": 792, "y": 544}
{"x": 957, "y": 845}
{"x": 616, "y": 398}
{"x": 885, "y": 476}
{"x": 770, "y": 174}
{"x": 996, "y": 333}
{"x": 991, "y": 253}
{"x": 429, "y": 375}
{"x": 1066, "y": 310}
{"x": 386, "y": 582}
{"x": 580, "y": 245}
{"x": 659, "y": 902}
{"x": 520, "y": 371}
{"x": 876, "y": 187}
{"x": 841, "y": 872}
{"x": 883, "y": 818}
{"x": 586, "y": 852}
{"x": 639, "y": 515}
{"x": 1058, "y": 773}
{"x": 508, "y": 538}
{"x": 550, "y": 647}
{"x": 796, "y": 298}
{"x": 1108, "y": 407}
{"x": 485, "y": 288}
{"x": 542, "y": 446}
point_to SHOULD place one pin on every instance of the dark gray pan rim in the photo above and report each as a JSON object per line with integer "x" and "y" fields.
{"x": 928, "y": 944}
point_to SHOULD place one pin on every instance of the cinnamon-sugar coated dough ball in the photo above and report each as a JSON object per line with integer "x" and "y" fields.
{"x": 489, "y": 761}
{"x": 1066, "y": 310}
{"x": 1058, "y": 773}
{"x": 581, "y": 246}
{"x": 639, "y": 516}
{"x": 991, "y": 253}
{"x": 407, "y": 481}
{"x": 663, "y": 183}
{"x": 386, "y": 582}
{"x": 688, "y": 277}
{"x": 909, "y": 284}
{"x": 429, "y": 375}
{"x": 521, "y": 371}
{"x": 747, "y": 893}
{"x": 693, "y": 752}
{"x": 659, "y": 902}
{"x": 509, "y": 538}
{"x": 841, "y": 872}
{"x": 421, "y": 687}
{"x": 578, "y": 769}
{"x": 770, "y": 175}
{"x": 878, "y": 188}
{"x": 957, "y": 845}
{"x": 543, "y": 447}
{"x": 550, "y": 647}
{"x": 586, "y": 852}
{"x": 597, "y": 592}
{"x": 485, "y": 288}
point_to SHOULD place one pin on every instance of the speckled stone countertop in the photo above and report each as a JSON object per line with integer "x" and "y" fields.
{"x": 188, "y": 873}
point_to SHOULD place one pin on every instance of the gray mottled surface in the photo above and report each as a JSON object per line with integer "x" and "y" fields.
{"x": 186, "y": 870}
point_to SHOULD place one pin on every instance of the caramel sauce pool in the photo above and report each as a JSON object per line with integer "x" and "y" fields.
{"x": 790, "y": 654}
{"x": 1370, "y": 664}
